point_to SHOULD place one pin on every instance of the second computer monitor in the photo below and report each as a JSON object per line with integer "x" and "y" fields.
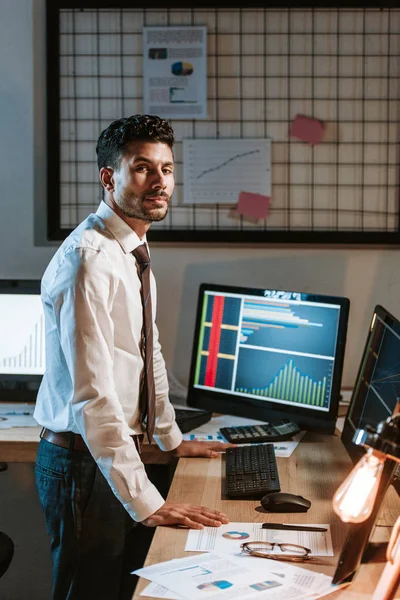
{"x": 269, "y": 354}
{"x": 22, "y": 344}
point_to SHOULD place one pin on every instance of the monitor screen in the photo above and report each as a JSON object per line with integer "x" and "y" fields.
{"x": 376, "y": 391}
{"x": 22, "y": 344}
{"x": 375, "y": 395}
{"x": 269, "y": 354}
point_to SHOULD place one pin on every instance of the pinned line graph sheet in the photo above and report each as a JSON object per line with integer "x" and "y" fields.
{"x": 217, "y": 171}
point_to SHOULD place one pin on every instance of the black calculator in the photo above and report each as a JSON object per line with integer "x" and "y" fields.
{"x": 263, "y": 432}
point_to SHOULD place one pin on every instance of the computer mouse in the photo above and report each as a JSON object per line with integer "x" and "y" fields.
{"x": 285, "y": 502}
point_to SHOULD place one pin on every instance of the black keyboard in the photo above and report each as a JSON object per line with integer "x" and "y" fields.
{"x": 263, "y": 432}
{"x": 251, "y": 471}
{"x": 190, "y": 419}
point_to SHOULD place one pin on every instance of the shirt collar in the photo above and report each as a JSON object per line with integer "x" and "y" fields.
{"x": 125, "y": 236}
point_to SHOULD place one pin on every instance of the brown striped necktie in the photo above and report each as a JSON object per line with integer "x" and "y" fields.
{"x": 147, "y": 399}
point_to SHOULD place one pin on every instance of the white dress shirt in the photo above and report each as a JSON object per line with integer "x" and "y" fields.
{"x": 93, "y": 315}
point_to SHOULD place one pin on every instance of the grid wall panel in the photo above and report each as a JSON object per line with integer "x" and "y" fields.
{"x": 264, "y": 66}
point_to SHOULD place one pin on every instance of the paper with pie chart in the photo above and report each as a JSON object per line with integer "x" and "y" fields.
{"x": 217, "y": 171}
{"x": 228, "y": 538}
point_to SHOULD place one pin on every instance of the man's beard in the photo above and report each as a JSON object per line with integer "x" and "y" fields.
{"x": 133, "y": 206}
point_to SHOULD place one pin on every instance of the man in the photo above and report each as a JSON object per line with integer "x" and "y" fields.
{"x": 92, "y": 483}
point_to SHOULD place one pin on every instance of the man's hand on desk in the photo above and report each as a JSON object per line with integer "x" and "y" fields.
{"x": 186, "y": 515}
{"x": 189, "y": 449}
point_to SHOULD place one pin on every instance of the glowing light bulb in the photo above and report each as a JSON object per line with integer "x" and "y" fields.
{"x": 355, "y": 498}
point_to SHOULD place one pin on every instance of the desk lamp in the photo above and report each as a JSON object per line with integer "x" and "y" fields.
{"x": 355, "y": 498}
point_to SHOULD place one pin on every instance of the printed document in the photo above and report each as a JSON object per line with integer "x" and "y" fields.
{"x": 228, "y": 538}
{"x": 217, "y": 171}
{"x": 218, "y": 577}
{"x": 175, "y": 71}
{"x": 15, "y": 414}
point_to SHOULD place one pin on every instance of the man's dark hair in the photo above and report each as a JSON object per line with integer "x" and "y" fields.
{"x": 115, "y": 140}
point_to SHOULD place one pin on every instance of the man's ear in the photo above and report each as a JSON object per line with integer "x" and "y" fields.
{"x": 106, "y": 175}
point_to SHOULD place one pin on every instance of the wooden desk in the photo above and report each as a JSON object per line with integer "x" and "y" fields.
{"x": 20, "y": 444}
{"x": 315, "y": 470}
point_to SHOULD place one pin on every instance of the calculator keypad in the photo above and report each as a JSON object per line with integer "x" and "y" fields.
{"x": 266, "y": 432}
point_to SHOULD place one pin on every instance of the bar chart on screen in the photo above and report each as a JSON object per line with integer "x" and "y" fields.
{"x": 290, "y": 384}
{"x": 22, "y": 346}
{"x": 268, "y": 349}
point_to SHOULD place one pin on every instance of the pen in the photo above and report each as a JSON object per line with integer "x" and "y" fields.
{"x": 292, "y": 527}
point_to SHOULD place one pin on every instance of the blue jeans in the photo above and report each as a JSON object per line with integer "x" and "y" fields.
{"x": 87, "y": 524}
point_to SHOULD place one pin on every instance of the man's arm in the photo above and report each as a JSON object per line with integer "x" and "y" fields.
{"x": 83, "y": 300}
{"x": 83, "y": 297}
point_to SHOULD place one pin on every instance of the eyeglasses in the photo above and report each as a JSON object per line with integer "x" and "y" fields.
{"x": 291, "y": 552}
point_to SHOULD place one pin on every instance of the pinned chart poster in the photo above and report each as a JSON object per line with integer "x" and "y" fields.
{"x": 175, "y": 71}
{"x": 216, "y": 171}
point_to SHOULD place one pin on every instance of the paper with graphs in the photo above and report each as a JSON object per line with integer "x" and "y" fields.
{"x": 228, "y": 538}
{"x": 217, "y": 171}
{"x": 217, "y": 576}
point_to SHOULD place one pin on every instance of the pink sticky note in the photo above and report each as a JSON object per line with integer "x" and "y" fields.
{"x": 253, "y": 205}
{"x": 307, "y": 129}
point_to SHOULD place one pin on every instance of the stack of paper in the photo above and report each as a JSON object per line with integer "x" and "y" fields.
{"x": 224, "y": 572}
{"x": 224, "y": 577}
{"x": 15, "y": 414}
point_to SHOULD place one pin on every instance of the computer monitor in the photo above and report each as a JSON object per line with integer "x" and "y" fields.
{"x": 376, "y": 390}
{"x": 22, "y": 345}
{"x": 375, "y": 395}
{"x": 269, "y": 354}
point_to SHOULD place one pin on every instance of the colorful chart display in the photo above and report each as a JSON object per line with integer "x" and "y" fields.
{"x": 267, "y": 348}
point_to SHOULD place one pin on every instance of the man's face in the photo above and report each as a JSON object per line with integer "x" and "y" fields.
{"x": 144, "y": 181}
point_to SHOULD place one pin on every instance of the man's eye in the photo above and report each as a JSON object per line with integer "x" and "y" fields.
{"x": 141, "y": 168}
{"x": 167, "y": 171}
